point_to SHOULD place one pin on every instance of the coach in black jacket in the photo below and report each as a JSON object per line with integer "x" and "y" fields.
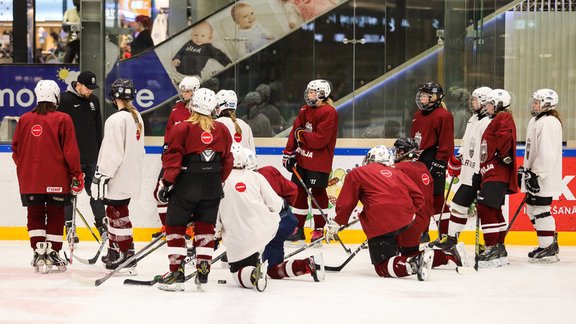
{"x": 84, "y": 108}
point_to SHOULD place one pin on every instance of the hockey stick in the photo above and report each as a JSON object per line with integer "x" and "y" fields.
{"x": 340, "y": 267}
{"x": 71, "y": 233}
{"x": 309, "y": 192}
{"x": 95, "y": 258}
{"x": 133, "y": 282}
{"x": 86, "y": 223}
{"x": 214, "y": 260}
{"x": 476, "y": 243}
{"x": 311, "y": 244}
{"x": 516, "y": 213}
{"x": 444, "y": 206}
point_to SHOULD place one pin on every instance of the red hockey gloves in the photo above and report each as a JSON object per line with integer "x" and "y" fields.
{"x": 332, "y": 229}
{"x": 164, "y": 191}
{"x": 77, "y": 184}
{"x": 288, "y": 160}
{"x": 454, "y": 166}
{"x": 99, "y": 186}
{"x": 298, "y": 135}
{"x": 438, "y": 169}
{"x": 531, "y": 180}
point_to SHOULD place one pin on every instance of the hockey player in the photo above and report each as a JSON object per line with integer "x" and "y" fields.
{"x": 541, "y": 174}
{"x": 119, "y": 170}
{"x": 390, "y": 200}
{"x": 466, "y": 166}
{"x": 498, "y": 171}
{"x": 226, "y": 103}
{"x": 433, "y": 130}
{"x": 47, "y": 160}
{"x": 179, "y": 113}
{"x": 196, "y": 163}
{"x": 310, "y": 148}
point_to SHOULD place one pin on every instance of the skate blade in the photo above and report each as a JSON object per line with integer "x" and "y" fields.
{"x": 489, "y": 264}
{"x": 545, "y": 260}
{"x": 504, "y": 261}
{"x": 465, "y": 270}
{"x": 172, "y": 287}
{"x": 199, "y": 287}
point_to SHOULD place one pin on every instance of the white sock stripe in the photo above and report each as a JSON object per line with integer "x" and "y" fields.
{"x": 390, "y": 267}
{"x": 289, "y": 271}
{"x": 54, "y": 238}
{"x": 299, "y": 211}
{"x": 492, "y": 225}
{"x": 37, "y": 232}
{"x": 316, "y": 211}
{"x": 458, "y": 209}
{"x": 120, "y": 231}
{"x": 200, "y": 250}
{"x": 174, "y": 237}
{"x": 162, "y": 209}
{"x": 491, "y": 230}
{"x": 177, "y": 250}
{"x": 445, "y": 216}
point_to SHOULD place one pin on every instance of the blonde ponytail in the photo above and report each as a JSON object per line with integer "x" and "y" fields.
{"x": 205, "y": 122}
{"x": 134, "y": 114}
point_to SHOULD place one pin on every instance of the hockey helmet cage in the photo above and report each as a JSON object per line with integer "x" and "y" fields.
{"x": 379, "y": 154}
{"x": 47, "y": 91}
{"x": 250, "y": 162}
{"x": 189, "y": 83}
{"x": 500, "y": 98}
{"x": 322, "y": 89}
{"x": 406, "y": 148}
{"x": 429, "y": 89}
{"x": 237, "y": 151}
{"x": 480, "y": 95}
{"x": 548, "y": 99}
{"x": 203, "y": 102}
{"x": 122, "y": 89}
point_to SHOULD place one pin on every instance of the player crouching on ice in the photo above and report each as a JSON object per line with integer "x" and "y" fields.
{"x": 47, "y": 160}
{"x": 391, "y": 200}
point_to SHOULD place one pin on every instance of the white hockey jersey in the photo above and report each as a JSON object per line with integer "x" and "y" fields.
{"x": 470, "y": 148}
{"x": 248, "y": 214}
{"x": 246, "y": 139}
{"x": 121, "y": 155}
{"x": 544, "y": 154}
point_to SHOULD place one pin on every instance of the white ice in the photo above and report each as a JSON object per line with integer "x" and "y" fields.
{"x": 518, "y": 293}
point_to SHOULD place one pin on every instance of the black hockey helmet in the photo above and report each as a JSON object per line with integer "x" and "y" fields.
{"x": 122, "y": 89}
{"x": 429, "y": 89}
{"x": 406, "y": 148}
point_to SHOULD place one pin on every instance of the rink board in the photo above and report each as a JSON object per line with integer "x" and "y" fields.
{"x": 145, "y": 220}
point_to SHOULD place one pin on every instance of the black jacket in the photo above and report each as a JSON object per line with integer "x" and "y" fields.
{"x": 141, "y": 42}
{"x": 87, "y": 120}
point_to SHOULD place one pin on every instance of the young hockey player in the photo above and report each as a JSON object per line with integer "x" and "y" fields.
{"x": 310, "y": 148}
{"x": 390, "y": 200}
{"x": 119, "y": 170}
{"x": 541, "y": 174}
{"x": 47, "y": 159}
{"x": 196, "y": 163}
{"x": 433, "y": 130}
{"x": 498, "y": 171}
{"x": 466, "y": 166}
{"x": 179, "y": 113}
{"x": 226, "y": 103}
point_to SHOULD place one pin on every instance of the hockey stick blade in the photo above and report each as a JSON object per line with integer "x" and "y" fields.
{"x": 95, "y": 258}
{"x": 340, "y": 267}
{"x": 134, "y": 282}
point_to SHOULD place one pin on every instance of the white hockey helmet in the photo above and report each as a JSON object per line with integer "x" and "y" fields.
{"x": 189, "y": 83}
{"x": 239, "y": 156}
{"x": 500, "y": 98}
{"x": 226, "y": 99}
{"x": 547, "y": 98}
{"x": 203, "y": 102}
{"x": 47, "y": 91}
{"x": 480, "y": 95}
{"x": 322, "y": 89}
{"x": 250, "y": 162}
{"x": 379, "y": 154}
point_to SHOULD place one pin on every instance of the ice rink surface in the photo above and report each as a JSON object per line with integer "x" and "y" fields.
{"x": 518, "y": 293}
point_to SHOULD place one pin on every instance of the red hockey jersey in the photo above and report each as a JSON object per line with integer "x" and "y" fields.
{"x": 282, "y": 186}
{"x": 187, "y": 138}
{"x": 46, "y": 153}
{"x": 178, "y": 114}
{"x": 498, "y": 142}
{"x": 316, "y": 151}
{"x": 418, "y": 172}
{"x": 389, "y": 197}
{"x": 436, "y": 130}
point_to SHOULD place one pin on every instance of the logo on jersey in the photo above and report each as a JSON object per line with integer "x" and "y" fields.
{"x": 206, "y": 138}
{"x": 425, "y": 179}
{"x": 36, "y": 130}
{"x": 92, "y": 107}
{"x": 472, "y": 147}
{"x": 238, "y": 137}
{"x": 138, "y": 133}
{"x": 418, "y": 138}
{"x": 54, "y": 189}
{"x": 527, "y": 153}
{"x": 308, "y": 127}
{"x": 240, "y": 187}
{"x": 386, "y": 173}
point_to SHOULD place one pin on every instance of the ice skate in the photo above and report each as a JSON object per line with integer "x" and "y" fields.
{"x": 54, "y": 263}
{"x": 490, "y": 258}
{"x": 546, "y": 255}
{"x": 259, "y": 277}
{"x": 445, "y": 243}
{"x": 316, "y": 265}
{"x": 458, "y": 253}
{"x": 202, "y": 271}
{"x": 296, "y": 239}
{"x": 316, "y": 236}
{"x": 424, "y": 264}
{"x": 117, "y": 257}
{"x": 39, "y": 258}
{"x": 503, "y": 255}
{"x": 174, "y": 281}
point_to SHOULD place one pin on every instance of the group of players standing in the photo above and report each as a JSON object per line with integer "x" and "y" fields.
{"x": 208, "y": 179}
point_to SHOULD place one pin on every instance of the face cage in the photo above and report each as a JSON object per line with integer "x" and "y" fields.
{"x": 310, "y": 102}
{"x": 431, "y": 104}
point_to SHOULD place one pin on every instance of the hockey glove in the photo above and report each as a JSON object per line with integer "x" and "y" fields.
{"x": 164, "y": 191}
{"x": 454, "y": 166}
{"x": 332, "y": 229}
{"x": 298, "y": 135}
{"x": 521, "y": 173}
{"x": 77, "y": 184}
{"x": 532, "y": 182}
{"x": 438, "y": 169}
{"x": 288, "y": 160}
{"x": 99, "y": 186}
